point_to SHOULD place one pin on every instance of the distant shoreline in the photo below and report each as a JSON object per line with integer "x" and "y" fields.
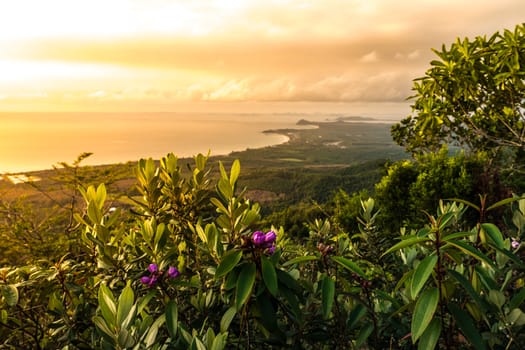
{"x": 222, "y": 137}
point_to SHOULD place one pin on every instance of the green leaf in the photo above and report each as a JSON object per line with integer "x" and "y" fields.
{"x": 516, "y": 317}
{"x": 125, "y": 304}
{"x": 107, "y": 305}
{"x": 221, "y": 208}
{"x": 430, "y": 336}
{"x": 228, "y": 261}
{"x": 348, "y": 264}
{"x": 406, "y": 243}
{"x": 94, "y": 213}
{"x": 151, "y": 336}
{"x": 356, "y": 314}
{"x": 245, "y": 284}
{"x": 269, "y": 275}
{"x": 220, "y": 341}
{"x": 424, "y": 311}
{"x": 300, "y": 259}
{"x": 172, "y": 316}
{"x": 494, "y": 234}
{"x": 467, "y": 326}
{"x": 197, "y": 344}
{"x": 503, "y": 202}
{"x": 235, "y": 171}
{"x": 225, "y": 188}
{"x": 475, "y": 253}
{"x": 10, "y": 294}
{"x": 327, "y": 295}
{"x": 467, "y": 203}
{"x": 227, "y": 318}
{"x": 363, "y": 335}
{"x": 497, "y": 298}
{"x": 124, "y": 339}
{"x": 422, "y": 273}
{"x": 266, "y": 312}
{"x": 468, "y": 287}
{"x": 517, "y": 299}
{"x": 457, "y": 235}
{"x": 103, "y": 327}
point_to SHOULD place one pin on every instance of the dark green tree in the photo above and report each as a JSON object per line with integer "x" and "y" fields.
{"x": 472, "y": 96}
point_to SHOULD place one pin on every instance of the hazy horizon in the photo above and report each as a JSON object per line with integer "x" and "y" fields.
{"x": 38, "y": 140}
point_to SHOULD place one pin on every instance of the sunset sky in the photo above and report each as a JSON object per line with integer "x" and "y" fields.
{"x": 167, "y": 55}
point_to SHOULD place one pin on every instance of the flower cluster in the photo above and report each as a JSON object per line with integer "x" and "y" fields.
{"x": 265, "y": 241}
{"x": 155, "y": 275}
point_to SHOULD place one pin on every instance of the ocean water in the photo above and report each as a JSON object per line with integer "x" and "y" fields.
{"x": 36, "y": 141}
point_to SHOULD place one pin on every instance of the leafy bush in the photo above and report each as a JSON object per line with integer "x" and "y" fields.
{"x": 193, "y": 267}
{"x": 411, "y": 187}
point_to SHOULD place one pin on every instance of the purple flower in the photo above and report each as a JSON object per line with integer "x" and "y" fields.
{"x": 258, "y": 238}
{"x": 153, "y": 268}
{"x": 270, "y": 237}
{"x": 173, "y": 272}
{"x": 152, "y": 281}
{"x": 270, "y": 250}
{"x": 145, "y": 280}
{"x": 514, "y": 243}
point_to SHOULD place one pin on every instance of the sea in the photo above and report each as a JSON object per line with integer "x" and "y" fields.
{"x": 39, "y": 140}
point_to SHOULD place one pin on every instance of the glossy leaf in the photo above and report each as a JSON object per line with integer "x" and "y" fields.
{"x": 153, "y": 330}
{"x": 300, "y": 259}
{"x": 430, "y": 336}
{"x": 327, "y": 295}
{"x": 468, "y": 249}
{"x": 103, "y": 327}
{"x": 125, "y": 304}
{"x": 227, "y": 318}
{"x": 172, "y": 316}
{"x": 503, "y": 202}
{"x": 245, "y": 284}
{"x": 467, "y": 326}
{"x": 422, "y": 273}
{"x": 424, "y": 311}
{"x": 406, "y": 243}
{"x": 228, "y": 261}
{"x": 225, "y": 188}
{"x": 107, "y": 305}
{"x": 269, "y": 275}
{"x": 220, "y": 342}
{"x": 348, "y": 264}
{"x": 235, "y": 171}
{"x": 494, "y": 233}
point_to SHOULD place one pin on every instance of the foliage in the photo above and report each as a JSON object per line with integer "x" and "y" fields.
{"x": 33, "y": 229}
{"x": 463, "y": 288}
{"x": 193, "y": 267}
{"x": 472, "y": 95}
{"x": 411, "y": 187}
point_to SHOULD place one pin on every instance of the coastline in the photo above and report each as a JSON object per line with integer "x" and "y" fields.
{"x": 221, "y": 137}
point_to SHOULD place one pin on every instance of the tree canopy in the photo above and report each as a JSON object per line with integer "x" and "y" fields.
{"x": 473, "y": 96}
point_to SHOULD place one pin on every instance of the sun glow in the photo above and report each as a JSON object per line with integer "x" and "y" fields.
{"x": 159, "y": 53}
